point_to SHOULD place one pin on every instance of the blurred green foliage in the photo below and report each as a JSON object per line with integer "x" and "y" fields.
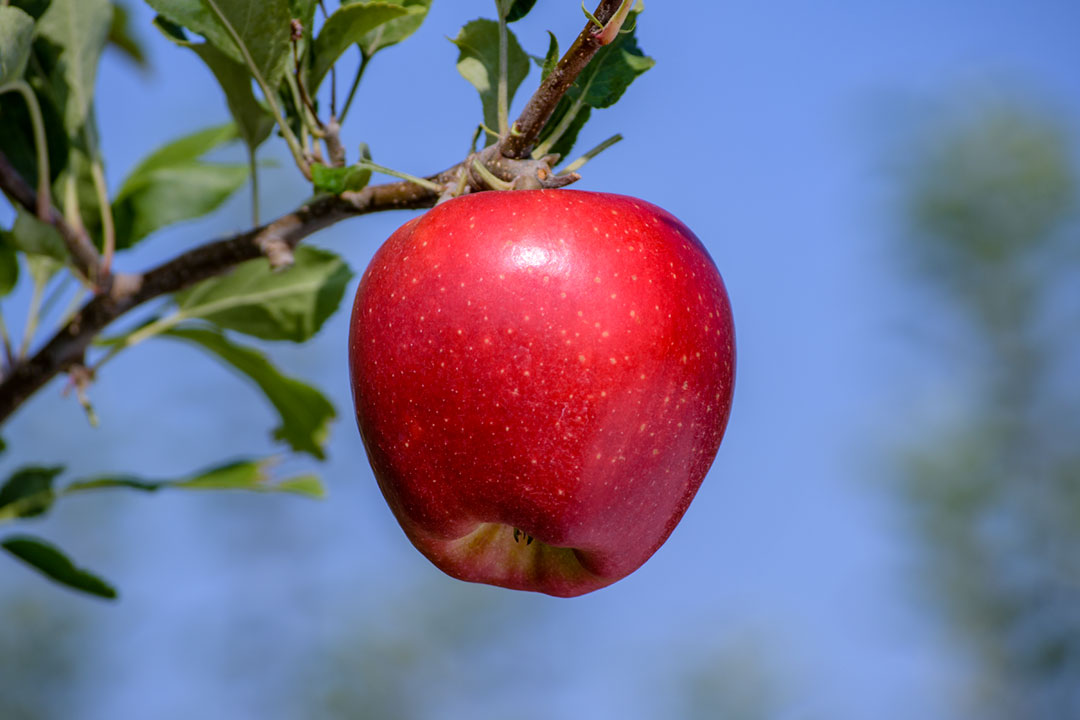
{"x": 995, "y": 494}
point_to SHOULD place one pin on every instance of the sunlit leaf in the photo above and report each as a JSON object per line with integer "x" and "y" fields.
{"x": 80, "y": 29}
{"x": 252, "y": 117}
{"x": 305, "y": 413}
{"x": 346, "y": 27}
{"x": 250, "y": 475}
{"x": 478, "y": 62}
{"x": 172, "y": 185}
{"x": 338, "y": 180}
{"x": 291, "y": 304}
{"x": 393, "y": 32}
{"x": 263, "y": 27}
{"x": 16, "y": 33}
{"x": 54, "y": 564}
{"x": 34, "y": 237}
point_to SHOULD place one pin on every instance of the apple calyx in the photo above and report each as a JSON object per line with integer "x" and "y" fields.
{"x": 489, "y": 169}
{"x": 517, "y": 560}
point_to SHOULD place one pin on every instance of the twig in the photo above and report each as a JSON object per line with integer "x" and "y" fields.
{"x": 364, "y": 59}
{"x": 83, "y": 253}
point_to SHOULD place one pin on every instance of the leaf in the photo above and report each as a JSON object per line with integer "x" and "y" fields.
{"x": 263, "y": 27}
{"x": 9, "y": 263}
{"x": 616, "y": 66}
{"x": 393, "y": 32}
{"x": 79, "y": 29}
{"x": 34, "y": 237}
{"x": 185, "y": 149}
{"x": 549, "y": 61}
{"x": 291, "y": 304}
{"x": 338, "y": 180}
{"x": 121, "y": 37}
{"x": 42, "y": 268}
{"x": 51, "y": 562}
{"x": 519, "y": 9}
{"x": 172, "y": 185}
{"x": 252, "y": 117}
{"x": 252, "y": 475}
{"x": 478, "y": 62}
{"x": 28, "y": 492}
{"x": 305, "y": 412}
{"x": 347, "y": 26}
{"x": 44, "y": 248}
{"x": 16, "y": 33}
{"x": 569, "y": 137}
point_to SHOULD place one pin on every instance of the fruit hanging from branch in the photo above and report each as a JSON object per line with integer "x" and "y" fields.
{"x": 542, "y": 379}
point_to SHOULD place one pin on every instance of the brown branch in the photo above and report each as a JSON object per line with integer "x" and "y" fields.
{"x": 83, "y": 253}
{"x": 506, "y": 160}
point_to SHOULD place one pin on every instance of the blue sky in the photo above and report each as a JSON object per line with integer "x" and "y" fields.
{"x": 772, "y": 131}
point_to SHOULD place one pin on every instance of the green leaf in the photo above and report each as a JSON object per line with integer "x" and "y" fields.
{"x": 347, "y": 26}
{"x": 395, "y": 31}
{"x": 79, "y": 29}
{"x": 549, "y": 61}
{"x": 338, "y": 180}
{"x": 42, "y": 268}
{"x": 9, "y": 263}
{"x": 44, "y": 248}
{"x": 305, "y": 413}
{"x": 478, "y": 62}
{"x": 252, "y": 117}
{"x": 51, "y": 562}
{"x": 172, "y": 185}
{"x": 28, "y": 492}
{"x": 121, "y": 37}
{"x": 263, "y": 27}
{"x": 185, "y": 149}
{"x": 569, "y": 137}
{"x": 251, "y": 475}
{"x": 519, "y": 9}
{"x": 291, "y": 304}
{"x": 34, "y": 237}
{"x": 16, "y": 33}
{"x": 613, "y": 69}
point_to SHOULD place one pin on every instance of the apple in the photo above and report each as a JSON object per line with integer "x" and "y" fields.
{"x": 542, "y": 379}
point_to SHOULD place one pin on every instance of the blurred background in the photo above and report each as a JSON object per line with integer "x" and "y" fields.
{"x": 892, "y": 526}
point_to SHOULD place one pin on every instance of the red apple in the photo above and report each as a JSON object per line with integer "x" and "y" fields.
{"x": 542, "y": 379}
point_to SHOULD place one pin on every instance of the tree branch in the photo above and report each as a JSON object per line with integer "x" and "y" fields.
{"x": 506, "y": 159}
{"x": 83, "y": 253}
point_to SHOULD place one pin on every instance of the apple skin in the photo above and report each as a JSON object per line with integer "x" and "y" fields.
{"x": 542, "y": 379}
